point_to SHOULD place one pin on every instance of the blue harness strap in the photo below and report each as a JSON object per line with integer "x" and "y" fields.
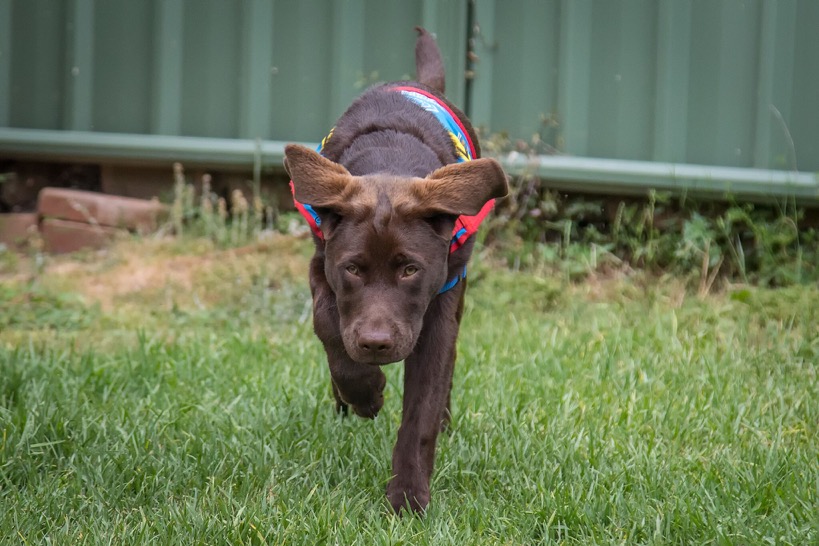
{"x": 460, "y": 139}
{"x": 450, "y": 284}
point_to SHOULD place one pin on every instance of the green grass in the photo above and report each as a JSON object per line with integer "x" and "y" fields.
{"x": 197, "y": 409}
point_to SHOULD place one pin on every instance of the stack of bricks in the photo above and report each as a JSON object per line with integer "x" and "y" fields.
{"x": 70, "y": 220}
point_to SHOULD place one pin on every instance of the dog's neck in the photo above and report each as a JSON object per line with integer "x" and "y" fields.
{"x": 392, "y": 152}
{"x": 386, "y": 134}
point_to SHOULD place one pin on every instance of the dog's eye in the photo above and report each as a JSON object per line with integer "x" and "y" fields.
{"x": 352, "y": 269}
{"x": 410, "y": 270}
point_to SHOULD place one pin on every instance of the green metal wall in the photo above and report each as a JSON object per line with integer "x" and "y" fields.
{"x": 280, "y": 70}
{"x": 728, "y": 82}
{"x": 711, "y": 82}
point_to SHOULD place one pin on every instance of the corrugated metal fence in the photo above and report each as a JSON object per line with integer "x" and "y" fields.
{"x": 279, "y": 70}
{"x": 732, "y": 83}
{"x": 729, "y": 82}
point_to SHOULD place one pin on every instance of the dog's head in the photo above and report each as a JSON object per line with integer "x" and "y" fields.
{"x": 387, "y": 242}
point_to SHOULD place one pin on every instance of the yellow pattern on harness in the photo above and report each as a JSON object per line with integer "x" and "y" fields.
{"x": 460, "y": 149}
{"x": 325, "y": 139}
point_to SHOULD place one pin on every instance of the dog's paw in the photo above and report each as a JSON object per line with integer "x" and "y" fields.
{"x": 369, "y": 411}
{"x": 365, "y": 398}
{"x": 407, "y": 497}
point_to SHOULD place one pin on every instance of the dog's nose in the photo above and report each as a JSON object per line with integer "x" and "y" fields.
{"x": 375, "y": 342}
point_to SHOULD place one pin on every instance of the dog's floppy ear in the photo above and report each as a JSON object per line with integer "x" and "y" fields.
{"x": 319, "y": 182}
{"x": 461, "y": 188}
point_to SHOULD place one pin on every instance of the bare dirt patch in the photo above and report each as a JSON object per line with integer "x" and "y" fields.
{"x": 160, "y": 271}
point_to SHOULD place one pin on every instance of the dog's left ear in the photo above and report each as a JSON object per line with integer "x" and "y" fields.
{"x": 461, "y": 188}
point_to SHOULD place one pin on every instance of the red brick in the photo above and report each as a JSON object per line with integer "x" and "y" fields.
{"x": 66, "y": 236}
{"x": 17, "y": 228}
{"x": 93, "y": 208}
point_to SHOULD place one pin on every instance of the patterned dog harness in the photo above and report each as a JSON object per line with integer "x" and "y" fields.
{"x": 465, "y": 226}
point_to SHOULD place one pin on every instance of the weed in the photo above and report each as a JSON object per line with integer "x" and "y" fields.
{"x": 9, "y": 260}
{"x": 32, "y": 305}
{"x": 229, "y": 222}
{"x": 704, "y": 241}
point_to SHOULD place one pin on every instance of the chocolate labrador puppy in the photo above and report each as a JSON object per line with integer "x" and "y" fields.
{"x": 394, "y": 195}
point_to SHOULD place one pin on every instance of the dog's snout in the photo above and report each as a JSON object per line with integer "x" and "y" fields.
{"x": 378, "y": 342}
{"x": 375, "y": 342}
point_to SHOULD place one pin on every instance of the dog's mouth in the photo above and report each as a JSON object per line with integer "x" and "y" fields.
{"x": 375, "y": 358}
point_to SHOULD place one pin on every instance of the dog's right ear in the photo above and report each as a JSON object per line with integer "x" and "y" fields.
{"x": 319, "y": 182}
{"x": 461, "y": 188}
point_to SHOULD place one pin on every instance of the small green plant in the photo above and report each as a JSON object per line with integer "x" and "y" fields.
{"x": 236, "y": 220}
{"x": 33, "y": 306}
{"x": 704, "y": 241}
{"x": 9, "y": 260}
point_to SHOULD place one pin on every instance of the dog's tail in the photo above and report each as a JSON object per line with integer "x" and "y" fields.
{"x": 428, "y": 63}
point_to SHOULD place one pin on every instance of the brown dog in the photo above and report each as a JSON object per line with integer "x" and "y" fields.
{"x": 393, "y": 198}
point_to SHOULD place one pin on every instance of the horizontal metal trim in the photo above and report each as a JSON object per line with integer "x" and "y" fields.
{"x": 57, "y": 145}
{"x": 568, "y": 173}
{"x": 616, "y": 176}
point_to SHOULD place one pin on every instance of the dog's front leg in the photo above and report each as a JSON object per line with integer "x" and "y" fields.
{"x": 360, "y": 386}
{"x": 427, "y": 383}
{"x": 354, "y": 384}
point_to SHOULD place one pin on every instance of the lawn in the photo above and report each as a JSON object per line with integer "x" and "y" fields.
{"x": 172, "y": 392}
